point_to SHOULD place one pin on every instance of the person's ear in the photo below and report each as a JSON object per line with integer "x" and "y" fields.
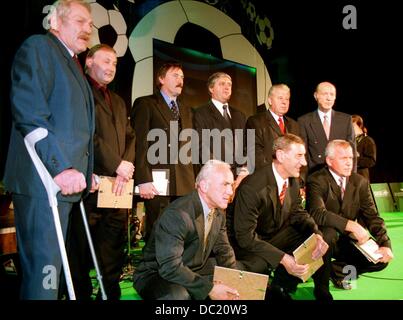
{"x": 204, "y": 186}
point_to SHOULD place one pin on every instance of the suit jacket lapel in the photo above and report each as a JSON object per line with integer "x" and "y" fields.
{"x": 199, "y": 224}
{"x": 164, "y": 109}
{"x": 273, "y": 124}
{"x": 215, "y": 229}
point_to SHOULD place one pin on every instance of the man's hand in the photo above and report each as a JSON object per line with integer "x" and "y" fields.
{"x": 386, "y": 253}
{"x": 222, "y": 292}
{"x": 147, "y": 190}
{"x": 320, "y": 249}
{"x": 119, "y": 185}
{"x": 125, "y": 170}
{"x": 293, "y": 267}
{"x": 358, "y": 232}
{"x": 70, "y": 181}
{"x": 94, "y": 183}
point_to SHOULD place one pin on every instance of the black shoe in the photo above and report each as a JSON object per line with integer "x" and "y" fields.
{"x": 341, "y": 284}
{"x": 322, "y": 295}
{"x": 278, "y": 294}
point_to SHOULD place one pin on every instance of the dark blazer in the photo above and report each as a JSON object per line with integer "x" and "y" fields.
{"x": 329, "y": 210}
{"x": 49, "y": 91}
{"x": 152, "y": 112}
{"x": 175, "y": 248}
{"x": 266, "y": 131}
{"x": 366, "y": 149}
{"x": 114, "y": 138}
{"x": 312, "y": 132}
{"x": 258, "y": 216}
{"x": 208, "y": 117}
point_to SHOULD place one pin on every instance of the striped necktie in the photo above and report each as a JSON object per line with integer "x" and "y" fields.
{"x": 283, "y": 192}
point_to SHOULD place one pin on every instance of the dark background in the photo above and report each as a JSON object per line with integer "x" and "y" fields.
{"x": 310, "y": 45}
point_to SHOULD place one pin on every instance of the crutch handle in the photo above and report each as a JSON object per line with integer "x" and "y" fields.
{"x": 51, "y": 187}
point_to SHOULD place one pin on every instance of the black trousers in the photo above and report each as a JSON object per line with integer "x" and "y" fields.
{"x": 287, "y": 240}
{"x": 349, "y": 261}
{"x": 109, "y": 235}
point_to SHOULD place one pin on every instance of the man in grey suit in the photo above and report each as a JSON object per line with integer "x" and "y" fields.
{"x": 161, "y": 112}
{"x": 50, "y": 91}
{"x": 317, "y": 128}
{"x": 177, "y": 262}
{"x": 271, "y": 124}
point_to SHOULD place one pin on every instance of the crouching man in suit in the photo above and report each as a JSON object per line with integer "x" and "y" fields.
{"x": 177, "y": 260}
{"x": 340, "y": 201}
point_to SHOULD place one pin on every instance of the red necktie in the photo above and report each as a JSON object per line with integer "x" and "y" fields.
{"x": 282, "y": 193}
{"x": 75, "y": 58}
{"x": 281, "y": 124}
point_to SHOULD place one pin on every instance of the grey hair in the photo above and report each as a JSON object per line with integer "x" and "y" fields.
{"x": 332, "y": 145}
{"x": 209, "y": 168}
{"x": 278, "y": 86}
{"x": 284, "y": 142}
{"x": 62, "y": 7}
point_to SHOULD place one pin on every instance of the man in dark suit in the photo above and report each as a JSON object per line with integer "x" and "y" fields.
{"x": 268, "y": 222}
{"x": 220, "y": 125}
{"x": 325, "y": 124}
{"x": 341, "y": 204}
{"x": 177, "y": 262}
{"x": 114, "y": 142}
{"x": 271, "y": 124}
{"x": 50, "y": 91}
{"x": 163, "y": 112}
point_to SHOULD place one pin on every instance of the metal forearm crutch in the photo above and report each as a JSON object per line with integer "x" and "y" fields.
{"x": 51, "y": 189}
{"x": 94, "y": 257}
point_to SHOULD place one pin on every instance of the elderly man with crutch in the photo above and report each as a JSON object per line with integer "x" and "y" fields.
{"x": 49, "y": 91}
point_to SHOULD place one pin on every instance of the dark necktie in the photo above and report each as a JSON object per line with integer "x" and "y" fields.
{"x": 107, "y": 96}
{"x": 282, "y": 193}
{"x": 75, "y": 58}
{"x": 225, "y": 113}
{"x": 281, "y": 125}
{"x": 175, "y": 110}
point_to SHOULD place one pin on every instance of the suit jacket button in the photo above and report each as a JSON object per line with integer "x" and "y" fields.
{"x": 320, "y": 156}
{"x": 87, "y": 154}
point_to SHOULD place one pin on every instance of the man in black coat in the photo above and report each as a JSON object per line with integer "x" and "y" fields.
{"x": 161, "y": 112}
{"x": 217, "y": 119}
{"x": 269, "y": 223}
{"x": 271, "y": 124}
{"x": 341, "y": 204}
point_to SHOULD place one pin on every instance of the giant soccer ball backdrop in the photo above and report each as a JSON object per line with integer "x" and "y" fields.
{"x": 264, "y": 31}
{"x": 110, "y": 25}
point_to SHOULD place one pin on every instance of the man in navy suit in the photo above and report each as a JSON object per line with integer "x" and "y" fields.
{"x": 50, "y": 91}
{"x": 318, "y": 127}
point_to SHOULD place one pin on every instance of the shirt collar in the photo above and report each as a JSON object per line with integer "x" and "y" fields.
{"x": 321, "y": 115}
{"x": 168, "y": 99}
{"x": 219, "y": 107}
{"x": 279, "y": 180}
{"x": 206, "y": 209}
{"x": 336, "y": 178}
{"x": 275, "y": 116}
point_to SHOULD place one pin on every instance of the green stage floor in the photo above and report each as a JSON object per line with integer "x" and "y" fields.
{"x": 384, "y": 285}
